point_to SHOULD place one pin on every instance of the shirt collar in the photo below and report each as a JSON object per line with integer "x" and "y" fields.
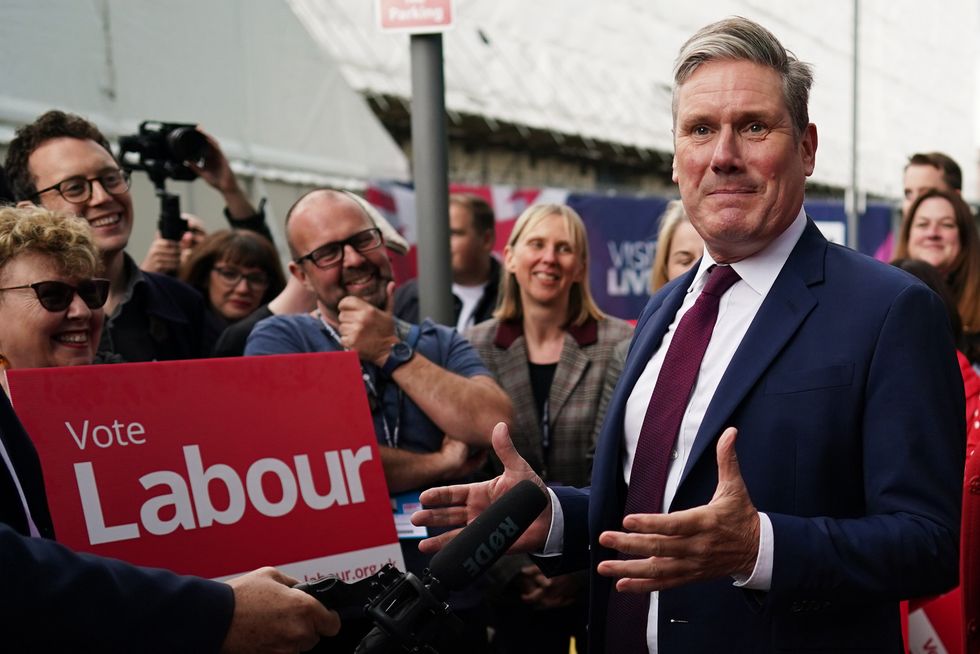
{"x": 134, "y": 276}
{"x": 760, "y": 270}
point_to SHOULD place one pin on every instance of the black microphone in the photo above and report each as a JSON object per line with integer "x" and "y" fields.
{"x": 481, "y": 543}
{"x": 409, "y": 612}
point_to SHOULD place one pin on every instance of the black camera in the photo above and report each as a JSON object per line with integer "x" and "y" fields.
{"x": 161, "y": 149}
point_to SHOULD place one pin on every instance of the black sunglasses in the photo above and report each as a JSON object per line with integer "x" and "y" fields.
{"x": 57, "y": 296}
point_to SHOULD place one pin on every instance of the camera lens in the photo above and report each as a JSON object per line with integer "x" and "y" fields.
{"x": 187, "y": 144}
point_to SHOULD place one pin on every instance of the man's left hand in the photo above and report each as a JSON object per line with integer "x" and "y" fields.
{"x": 548, "y": 592}
{"x": 716, "y": 540}
{"x": 366, "y": 329}
{"x": 216, "y": 170}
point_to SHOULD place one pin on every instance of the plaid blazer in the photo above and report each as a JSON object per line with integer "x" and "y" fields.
{"x": 589, "y": 361}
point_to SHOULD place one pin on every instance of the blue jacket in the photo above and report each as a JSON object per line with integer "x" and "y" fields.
{"x": 53, "y": 599}
{"x": 849, "y": 405}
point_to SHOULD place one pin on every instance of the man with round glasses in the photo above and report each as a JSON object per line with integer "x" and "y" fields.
{"x": 432, "y": 400}
{"x": 64, "y": 163}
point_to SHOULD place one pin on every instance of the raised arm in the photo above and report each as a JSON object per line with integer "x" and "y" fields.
{"x": 466, "y": 408}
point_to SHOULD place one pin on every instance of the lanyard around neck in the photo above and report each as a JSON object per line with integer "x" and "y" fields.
{"x": 375, "y": 399}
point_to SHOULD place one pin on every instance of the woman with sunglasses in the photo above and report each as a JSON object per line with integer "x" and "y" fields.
{"x": 50, "y": 297}
{"x": 236, "y": 271}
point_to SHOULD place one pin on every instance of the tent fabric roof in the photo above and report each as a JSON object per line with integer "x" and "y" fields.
{"x": 245, "y": 70}
{"x": 601, "y": 70}
{"x": 538, "y": 64}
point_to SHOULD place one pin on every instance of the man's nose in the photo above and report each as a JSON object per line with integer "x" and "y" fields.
{"x": 99, "y": 194}
{"x": 352, "y": 257}
{"x": 727, "y": 156}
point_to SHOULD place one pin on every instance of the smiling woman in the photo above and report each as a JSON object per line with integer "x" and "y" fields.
{"x": 939, "y": 230}
{"x": 236, "y": 271}
{"x": 553, "y": 351}
{"x": 50, "y": 298}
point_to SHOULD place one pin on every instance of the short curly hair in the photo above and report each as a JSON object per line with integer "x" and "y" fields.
{"x": 28, "y": 138}
{"x": 65, "y": 238}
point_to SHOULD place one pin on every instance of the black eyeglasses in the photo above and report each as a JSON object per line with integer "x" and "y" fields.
{"x": 231, "y": 276}
{"x": 79, "y": 189}
{"x": 332, "y": 254}
{"x": 57, "y": 296}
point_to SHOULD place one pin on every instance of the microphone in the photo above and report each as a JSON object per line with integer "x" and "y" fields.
{"x": 409, "y": 612}
{"x": 481, "y": 543}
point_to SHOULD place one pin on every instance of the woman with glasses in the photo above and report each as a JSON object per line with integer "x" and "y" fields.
{"x": 51, "y": 298}
{"x": 236, "y": 271}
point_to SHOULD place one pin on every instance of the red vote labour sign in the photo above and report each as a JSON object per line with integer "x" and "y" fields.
{"x": 214, "y": 467}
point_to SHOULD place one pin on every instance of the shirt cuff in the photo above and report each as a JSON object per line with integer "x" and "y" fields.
{"x": 761, "y": 577}
{"x": 556, "y": 533}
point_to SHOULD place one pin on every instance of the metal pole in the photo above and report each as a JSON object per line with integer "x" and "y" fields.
{"x": 430, "y": 168}
{"x": 851, "y": 203}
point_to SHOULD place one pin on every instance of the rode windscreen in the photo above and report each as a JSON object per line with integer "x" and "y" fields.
{"x": 488, "y": 537}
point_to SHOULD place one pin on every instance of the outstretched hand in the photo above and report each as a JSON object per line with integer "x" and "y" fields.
{"x": 716, "y": 540}
{"x": 457, "y": 506}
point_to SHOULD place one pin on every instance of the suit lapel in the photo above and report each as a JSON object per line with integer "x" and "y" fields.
{"x": 513, "y": 368}
{"x": 606, "y": 507}
{"x": 571, "y": 366}
{"x": 782, "y": 312}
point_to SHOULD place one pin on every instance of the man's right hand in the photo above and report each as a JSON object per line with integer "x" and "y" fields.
{"x": 457, "y": 506}
{"x": 163, "y": 257}
{"x": 271, "y": 616}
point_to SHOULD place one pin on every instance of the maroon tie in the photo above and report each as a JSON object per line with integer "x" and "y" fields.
{"x": 627, "y": 617}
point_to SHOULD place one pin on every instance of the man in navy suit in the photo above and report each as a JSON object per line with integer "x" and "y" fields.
{"x": 53, "y": 599}
{"x": 837, "y": 375}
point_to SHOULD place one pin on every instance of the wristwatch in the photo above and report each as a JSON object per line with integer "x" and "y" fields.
{"x": 401, "y": 353}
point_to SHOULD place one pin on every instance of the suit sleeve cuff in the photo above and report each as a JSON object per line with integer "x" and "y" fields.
{"x": 761, "y": 577}
{"x": 556, "y": 533}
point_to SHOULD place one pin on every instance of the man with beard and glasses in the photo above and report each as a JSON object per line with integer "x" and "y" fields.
{"x": 432, "y": 400}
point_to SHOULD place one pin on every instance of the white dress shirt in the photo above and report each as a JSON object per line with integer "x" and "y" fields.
{"x": 737, "y": 309}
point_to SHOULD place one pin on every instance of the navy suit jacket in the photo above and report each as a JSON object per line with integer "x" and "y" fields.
{"x": 849, "y": 405}
{"x": 53, "y": 599}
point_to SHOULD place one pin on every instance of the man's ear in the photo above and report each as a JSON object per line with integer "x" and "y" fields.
{"x": 808, "y": 149}
{"x": 296, "y": 270}
{"x": 25, "y": 204}
{"x": 488, "y": 239}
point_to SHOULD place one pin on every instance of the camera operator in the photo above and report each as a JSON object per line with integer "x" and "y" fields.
{"x": 165, "y": 256}
{"x": 63, "y": 162}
